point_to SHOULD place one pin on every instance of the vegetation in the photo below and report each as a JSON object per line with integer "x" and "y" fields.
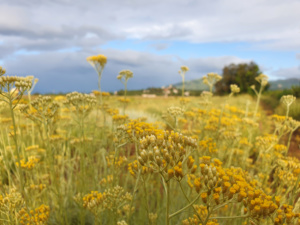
{"x": 272, "y": 100}
{"x": 75, "y": 159}
{"x": 242, "y": 74}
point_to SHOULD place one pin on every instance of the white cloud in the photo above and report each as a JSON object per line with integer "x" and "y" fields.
{"x": 56, "y": 28}
{"x": 190, "y": 20}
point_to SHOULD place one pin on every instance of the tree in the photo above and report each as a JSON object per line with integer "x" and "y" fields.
{"x": 242, "y": 74}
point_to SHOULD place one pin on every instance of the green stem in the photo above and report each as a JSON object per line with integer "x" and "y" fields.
{"x": 133, "y": 194}
{"x": 287, "y": 112}
{"x": 189, "y": 202}
{"x": 146, "y": 199}
{"x": 99, "y": 87}
{"x": 184, "y": 208}
{"x": 183, "y": 85}
{"x": 168, "y": 203}
{"x": 289, "y": 142}
{"x": 229, "y": 217}
{"x": 22, "y": 190}
{"x": 258, "y": 100}
{"x": 125, "y": 94}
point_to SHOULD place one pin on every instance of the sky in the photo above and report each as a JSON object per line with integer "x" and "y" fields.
{"x": 51, "y": 40}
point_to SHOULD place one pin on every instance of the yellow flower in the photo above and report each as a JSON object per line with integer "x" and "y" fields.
{"x": 2, "y": 71}
{"x": 204, "y": 197}
{"x": 184, "y": 68}
{"x": 97, "y": 59}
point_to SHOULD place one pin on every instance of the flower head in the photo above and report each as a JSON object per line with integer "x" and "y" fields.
{"x": 97, "y": 59}
{"x": 234, "y": 88}
{"x": 126, "y": 74}
{"x": 184, "y": 69}
{"x": 2, "y": 71}
{"x": 262, "y": 79}
{"x": 98, "y": 62}
{"x": 288, "y": 99}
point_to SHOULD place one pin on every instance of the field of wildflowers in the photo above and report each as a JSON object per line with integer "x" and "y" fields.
{"x": 99, "y": 159}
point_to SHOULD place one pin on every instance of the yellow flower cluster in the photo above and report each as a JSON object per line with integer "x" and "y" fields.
{"x": 119, "y": 119}
{"x": 38, "y": 187}
{"x": 112, "y": 112}
{"x": 75, "y": 141}
{"x": 189, "y": 114}
{"x": 165, "y": 150}
{"x": 11, "y": 202}
{"x": 56, "y": 138}
{"x": 138, "y": 129}
{"x": 30, "y": 164}
{"x": 118, "y": 161}
{"x": 285, "y": 215}
{"x": 184, "y": 101}
{"x": 95, "y": 60}
{"x": 106, "y": 180}
{"x": 93, "y": 200}
{"x": 133, "y": 168}
{"x": 98, "y": 93}
{"x": 5, "y": 120}
{"x": 2, "y": 71}
{"x": 223, "y": 185}
{"x": 32, "y": 148}
{"x": 265, "y": 142}
{"x": 287, "y": 171}
{"x": 207, "y": 145}
{"x": 38, "y": 216}
{"x": 195, "y": 220}
{"x": 184, "y": 68}
{"x": 124, "y": 100}
{"x": 278, "y": 119}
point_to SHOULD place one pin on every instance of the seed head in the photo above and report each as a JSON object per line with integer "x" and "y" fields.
{"x": 126, "y": 74}
{"x": 288, "y": 99}
{"x": 262, "y": 79}
{"x": 2, "y": 71}
{"x": 234, "y": 88}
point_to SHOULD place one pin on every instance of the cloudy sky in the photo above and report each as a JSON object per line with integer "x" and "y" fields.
{"x": 51, "y": 39}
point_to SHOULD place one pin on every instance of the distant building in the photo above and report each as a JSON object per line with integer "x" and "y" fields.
{"x": 149, "y": 95}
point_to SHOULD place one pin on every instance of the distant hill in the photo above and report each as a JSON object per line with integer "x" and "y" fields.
{"x": 284, "y": 84}
{"x": 193, "y": 85}
{"x": 274, "y": 85}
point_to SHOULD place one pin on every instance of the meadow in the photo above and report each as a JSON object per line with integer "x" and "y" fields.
{"x": 101, "y": 159}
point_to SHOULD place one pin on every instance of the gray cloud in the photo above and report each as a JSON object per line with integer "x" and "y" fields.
{"x": 160, "y": 46}
{"x": 67, "y": 71}
{"x": 291, "y": 72}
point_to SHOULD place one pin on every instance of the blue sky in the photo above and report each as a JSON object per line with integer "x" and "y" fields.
{"x": 51, "y": 39}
